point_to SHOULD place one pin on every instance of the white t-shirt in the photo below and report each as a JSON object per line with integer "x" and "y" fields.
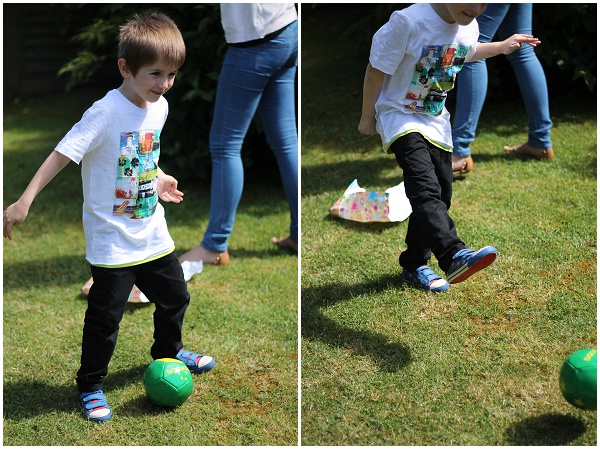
{"x": 420, "y": 54}
{"x": 118, "y": 146}
{"x": 243, "y": 22}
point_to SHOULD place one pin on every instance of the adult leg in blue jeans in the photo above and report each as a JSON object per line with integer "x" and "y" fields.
{"x": 506, "y": 20}
{"x": 277, "y": 111}
{"x": 257, "y": 79}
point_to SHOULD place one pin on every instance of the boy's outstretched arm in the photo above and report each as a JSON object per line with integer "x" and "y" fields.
{"x": 17, "y": 212}
{"x": 506, "y": 47}
{"x": 371, "y": 90}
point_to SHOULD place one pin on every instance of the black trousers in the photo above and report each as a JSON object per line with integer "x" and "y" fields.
{"x": 163, "y": 284}
{"x": 427, "y": 172}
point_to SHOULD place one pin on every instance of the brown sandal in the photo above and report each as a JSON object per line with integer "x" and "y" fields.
{"x": 527, "y": 150}
{"x": 285, "y": 243}
{"x": 197, "y": 253}
{"x": 222, "y": 259}
{"x": 465, "y": 167}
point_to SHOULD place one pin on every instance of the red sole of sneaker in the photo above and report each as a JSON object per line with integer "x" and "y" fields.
{"x": 478, "y": 266}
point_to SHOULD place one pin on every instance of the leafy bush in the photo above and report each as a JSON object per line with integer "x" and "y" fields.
{"x": 568, "y": 35}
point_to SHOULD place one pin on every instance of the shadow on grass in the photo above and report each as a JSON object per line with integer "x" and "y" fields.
{"x": 65, "y": 270}
{"x": 369, "y": 228}
{"x": 26, "y": 399}
{"x": 551, "y": 429}
{"x": 337, "y": 176}
{"x": 389, "y": 356}
{"x": 578, "y": 166}
{"x": 242, "y": 253}
{"x": 48, "y": 272}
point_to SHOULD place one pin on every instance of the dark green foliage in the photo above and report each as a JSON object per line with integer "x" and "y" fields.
{"x": 568, "y": 35}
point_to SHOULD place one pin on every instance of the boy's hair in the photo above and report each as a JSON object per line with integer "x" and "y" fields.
{"x": 149, "y": 37}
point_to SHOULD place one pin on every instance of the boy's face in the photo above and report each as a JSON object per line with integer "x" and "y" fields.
{"x": 149, "y": 84}
{"x": 463, "y": 13}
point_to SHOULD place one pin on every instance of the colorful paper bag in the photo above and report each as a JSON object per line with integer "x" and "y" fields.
{"x": 357, "y": 204}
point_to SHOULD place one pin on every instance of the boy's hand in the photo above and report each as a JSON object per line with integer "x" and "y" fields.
{"x": 367, "y": 126}
{"x": 13, "y": 215}
{"x": 167, "y": 189}
{"x": 166, "y": 186}
{"x": 516, "y": 41}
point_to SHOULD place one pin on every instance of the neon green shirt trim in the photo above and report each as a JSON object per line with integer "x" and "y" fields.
{"x": 150, "y": 259}
{"x": 441, "y": 147}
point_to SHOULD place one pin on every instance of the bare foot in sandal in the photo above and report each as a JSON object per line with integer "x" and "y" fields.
{"x": 527, "y": 150}
{"x": 207, "y": 257}
{"x": 285, "y": 243}
{"x": 461, "y": 165}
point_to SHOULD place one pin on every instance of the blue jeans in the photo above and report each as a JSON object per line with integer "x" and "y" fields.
{"x": 258, "y": 79}
{"x": 506, "y": 20}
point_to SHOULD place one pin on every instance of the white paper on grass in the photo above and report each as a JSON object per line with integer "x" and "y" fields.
{"x": 400, "y": 207}
{"x": 353, "y": 188}
{"x": 191, "y": 268}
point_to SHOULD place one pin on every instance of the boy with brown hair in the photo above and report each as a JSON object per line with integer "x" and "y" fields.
{"x": 117, "y": 143}
{"x": 413, "y": 64}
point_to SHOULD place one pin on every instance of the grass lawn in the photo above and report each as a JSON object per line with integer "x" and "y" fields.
{"x": 245, "y": 315}
{"x": 385, "y": 364}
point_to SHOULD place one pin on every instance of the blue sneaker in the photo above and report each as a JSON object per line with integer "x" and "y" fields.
{"x": 467, "y": 262}
{"x": 95, "y": 407}
{"x": 197, "y": 363}
{"x": 424, "y": 278}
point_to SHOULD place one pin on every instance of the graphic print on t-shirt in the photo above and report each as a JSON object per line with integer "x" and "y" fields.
{"x": 434, "y": 76}
{"x": 137, "y": 172}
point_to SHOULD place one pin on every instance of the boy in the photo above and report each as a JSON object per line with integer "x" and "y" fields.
{"x": 413, "y": 62}
{"x": 127, "y": 241}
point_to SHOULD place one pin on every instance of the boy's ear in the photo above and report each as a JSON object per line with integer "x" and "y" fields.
{"x": 125, "y": 73}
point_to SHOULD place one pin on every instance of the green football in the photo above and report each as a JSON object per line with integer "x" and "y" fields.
{"x": 578, "y": 379}
{"x": 168, "y": 382}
